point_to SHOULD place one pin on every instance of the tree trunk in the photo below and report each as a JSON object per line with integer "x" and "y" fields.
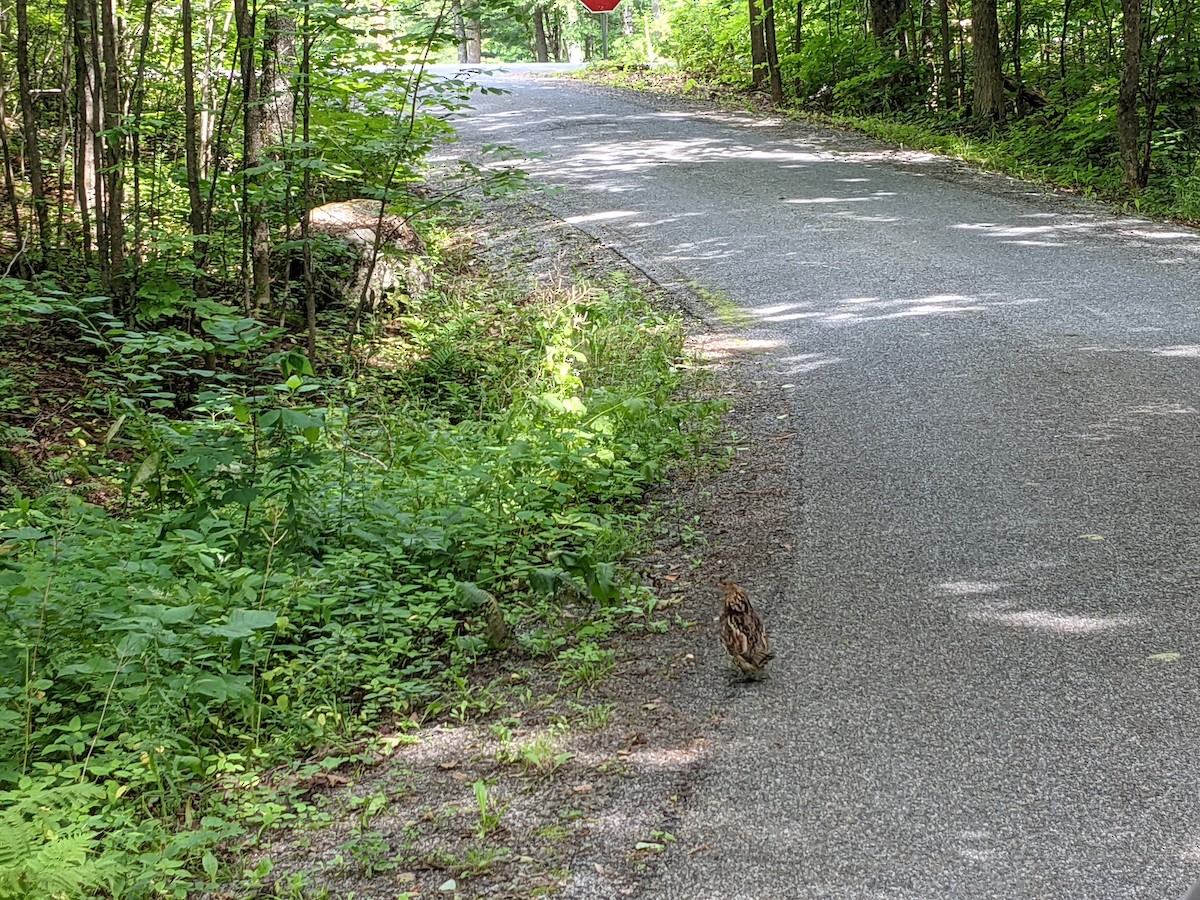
{"x": 1128, "y": 127}
{"x": 886, "y": 16}
{"x": 758, "y": 47}
{"x": 138, "y": 96}
{"x": 539, "y": 35}
{"x": 989, "y": 80}
{"x": 256, "y": 235}
{"x": 29, "y": 132}
{"x": 1062, "y": 42}
{"x": 474, "y": 34}
{"x": 772, "y": 51}
{"x": 310, "y": 293}
{"x": 1016, "y": 50}
{"x": 84, "y": 169}
{"x": 89, "y": 127}
{"x": 460, "y": 31}
{"x": 947, "y": 79}
{"x": 191, "y": 136}
{"x": 275, "y": 89}
{"x": 114, "y": 156}
{"x": 210, "y": 85}
{"x": 554, "y": 34}
{"x": 10, "y": 188}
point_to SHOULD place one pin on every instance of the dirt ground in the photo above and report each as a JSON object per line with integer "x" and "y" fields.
{"x": 567, "y": 790}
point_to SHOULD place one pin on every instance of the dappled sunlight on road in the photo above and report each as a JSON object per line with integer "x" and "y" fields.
{"x": 607, "y": 216}
{"x": 819, "y": 200}
{"x": 1164, "y": 409}
{"x": 1191, "y": 853}
{"x": 861, "y": 310}
{"x": 1057, "y": 623}
{"x": 984, "y": 603}
{"x": 1189, "y": 351}
{"x": 717, "y": 346}
{"x": 803, "y": 363}
{"x": 970, "y": 588}
{"x": 588, "y": 151}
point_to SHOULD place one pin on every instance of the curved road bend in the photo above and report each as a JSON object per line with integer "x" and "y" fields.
{"x": 986, "y": 683}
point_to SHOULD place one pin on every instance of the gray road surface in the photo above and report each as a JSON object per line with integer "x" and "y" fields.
{"x": 986, "y": 683}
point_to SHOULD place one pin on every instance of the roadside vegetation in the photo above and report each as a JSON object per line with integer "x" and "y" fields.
{"x": 268, "y": 490}
{"x": 217, "y": 571}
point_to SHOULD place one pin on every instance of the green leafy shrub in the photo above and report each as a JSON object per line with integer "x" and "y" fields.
{"x": 710, "y": 39}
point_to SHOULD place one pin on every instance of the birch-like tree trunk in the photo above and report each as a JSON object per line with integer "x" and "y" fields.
{"x": 474, "y": 33}
{"x": 460, "y": 30}
{"x": 276, "y": 91}
{"x": 114, "y": 156}
{"x": 946, "y": 88}
{"x": 10, "y": 186}
{"x": 772, "y": 51}
{"x": 191, "y": 136}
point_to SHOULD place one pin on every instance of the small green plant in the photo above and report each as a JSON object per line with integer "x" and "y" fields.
{"x": 586, "y": 664}
{"x": 295, "y": 887}
{"x": 540, "y": 754}
{"x": 489, "y": 814}
{"x": 367, "y": 808}
{"x": 597, "y": 716}
{"x": 503, "y": 731}
{"x": 371, "y": 851}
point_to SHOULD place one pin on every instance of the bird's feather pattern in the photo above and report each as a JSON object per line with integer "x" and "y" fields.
{"x": 742, "y": 629}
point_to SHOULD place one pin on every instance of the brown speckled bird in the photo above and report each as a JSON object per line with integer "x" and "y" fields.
{"x": 742, "y": 629}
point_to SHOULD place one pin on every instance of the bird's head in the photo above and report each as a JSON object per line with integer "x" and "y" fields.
{"x": 729, "y": 587}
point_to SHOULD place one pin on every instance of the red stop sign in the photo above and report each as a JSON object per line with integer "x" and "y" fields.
{"x": 600, "y": 6}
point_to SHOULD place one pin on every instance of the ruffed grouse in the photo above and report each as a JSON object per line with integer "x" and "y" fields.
{"x": 742, "y": 629}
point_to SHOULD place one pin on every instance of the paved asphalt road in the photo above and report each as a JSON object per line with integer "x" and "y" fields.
{"x": 986, "y": 683}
